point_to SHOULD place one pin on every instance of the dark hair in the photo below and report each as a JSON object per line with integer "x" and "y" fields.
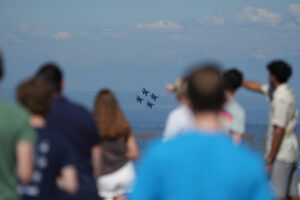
{"x": 109, "y": 117}
{"x": 233, "y": 79}
{"x": 51, "y": 73}
{"x": 205, "y": 88}
{"x": 281, "y": 70}
{"x": 35, "y": 94}
{"x": 1, "y": 67}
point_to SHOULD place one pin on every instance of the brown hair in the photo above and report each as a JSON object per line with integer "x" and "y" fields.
{"x": 205, "y": 88}
{"x": 35, "y": 95}
{"x": 109, "y": 117}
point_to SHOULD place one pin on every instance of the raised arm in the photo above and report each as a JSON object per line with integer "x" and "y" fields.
{"x": 253, "y": 86}
{"x": 24, "y": 158}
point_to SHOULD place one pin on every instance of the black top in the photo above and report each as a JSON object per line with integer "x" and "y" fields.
{"x": 114, "y": 154}
{"x": 77, "y": 125}
{"x": 52, "y": 152}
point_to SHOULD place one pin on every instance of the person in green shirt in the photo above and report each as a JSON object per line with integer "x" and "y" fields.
{"x": 16, "y": 144}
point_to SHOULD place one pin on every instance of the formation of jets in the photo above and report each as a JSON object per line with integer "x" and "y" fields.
{"x": 145, "y": 92}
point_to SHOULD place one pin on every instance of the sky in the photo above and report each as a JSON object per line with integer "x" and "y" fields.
{"x": 126, "y": 45}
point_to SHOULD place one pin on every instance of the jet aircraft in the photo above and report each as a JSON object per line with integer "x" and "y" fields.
{"x": 139, "y": 99}
{"x": 154, "y": 97}
{"x": 145, "y": 92}
{"x": 149, "y": 104}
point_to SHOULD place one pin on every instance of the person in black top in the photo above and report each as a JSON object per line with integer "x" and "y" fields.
{"x": 54, "y": 156}
{"x": 77, "y": 124}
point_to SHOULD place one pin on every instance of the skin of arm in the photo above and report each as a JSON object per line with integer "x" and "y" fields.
{"x": 254, "y": 86}
{"x": 96, "y": 160}
{"x": 276, "y": 142}
{"x": 24, "y": 158}
{"x": 237, "y": 138}
{"x": 68, "y": 181}
{"x": 133, "y": 151}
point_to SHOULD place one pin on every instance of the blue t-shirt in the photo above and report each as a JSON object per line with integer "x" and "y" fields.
{"x": 200, "y": 166}
{"x": 52, "y": 152}
{"x": 78, "y": 126}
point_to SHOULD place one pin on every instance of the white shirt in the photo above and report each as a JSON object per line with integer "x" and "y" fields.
{"x": 238, "y": 115}
{"x": 284, "y": 113}
{"x": 179, "y": 120}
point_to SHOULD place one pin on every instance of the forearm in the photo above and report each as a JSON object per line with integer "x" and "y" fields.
{"x": 276, "y": 143}
{"x": 96, "y": 160}
{"x": 68, "y": 181}
{"x": 254, "y": 86}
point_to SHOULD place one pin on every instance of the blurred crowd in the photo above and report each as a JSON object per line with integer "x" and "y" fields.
{"x": 54, "y": 149}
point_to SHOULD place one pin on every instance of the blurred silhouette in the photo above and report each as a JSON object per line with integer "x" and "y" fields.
{"x": 282, "y": 143}
{"x": 202, "y": 163}
{"x": 55, "y": 157}
{"x": 77, "y": 124}
{"x": 118, "y": 147}
{"x": 16, "y": 143}
{"x": 181, "y": 118}
{"x": 233, "y": 79}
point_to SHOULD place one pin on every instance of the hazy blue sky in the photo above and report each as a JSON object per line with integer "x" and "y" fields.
{"x": 129, "y": 44}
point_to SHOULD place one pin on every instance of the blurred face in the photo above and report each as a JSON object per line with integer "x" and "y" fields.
{"x": 272, "y": 80}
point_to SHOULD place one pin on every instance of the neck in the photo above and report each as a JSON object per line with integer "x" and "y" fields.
{"x": 277, "y": 84}
{"x": 208, "y": 121}
{"x": 37, "y": 121}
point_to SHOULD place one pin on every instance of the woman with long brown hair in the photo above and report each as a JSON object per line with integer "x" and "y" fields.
{"x": 119, "y": 147}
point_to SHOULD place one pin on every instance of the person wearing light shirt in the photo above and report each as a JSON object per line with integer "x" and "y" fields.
{"x": 282, "y": 144}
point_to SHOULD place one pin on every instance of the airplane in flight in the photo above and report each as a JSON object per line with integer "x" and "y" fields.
{"x": 154, "y": 97}
{"x": 145, "y": 92}
{"x": 149, "y": 104}
{"x": 139, "y": 99}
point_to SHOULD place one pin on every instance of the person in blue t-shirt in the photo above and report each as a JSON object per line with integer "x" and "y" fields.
{"x": 77, "y": 125}
{"x": 203, "y": 163}
{"x": 54, "y": 156}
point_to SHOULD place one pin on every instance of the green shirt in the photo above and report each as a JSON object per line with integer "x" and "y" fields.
{"x": 14, "y": 128}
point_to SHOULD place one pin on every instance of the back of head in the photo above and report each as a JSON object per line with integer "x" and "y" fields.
{"x": 51, "y": 73}
{"x": 281, "y": 70}
{"x": 109, "y": 117}
{"x": 1, "y": 67}
{"x": 35, "y": 94}
{"x": 233, "y": 79}
{"x": 205, "y": 88}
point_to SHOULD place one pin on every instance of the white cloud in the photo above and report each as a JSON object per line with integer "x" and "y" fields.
{"x": 294, "y": 9}
{"x": 254, "y": 15}
{"x": 62, "y": 35}
{"x": 160, "y": 25}
{"x": 211, "y": 20}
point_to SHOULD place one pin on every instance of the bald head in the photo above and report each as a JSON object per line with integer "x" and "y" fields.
{"x": 205, "y": 88}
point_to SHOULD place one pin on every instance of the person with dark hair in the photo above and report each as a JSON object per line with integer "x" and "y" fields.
{"x": 16, "y": 143}
{"x": 203, "y": 163}
{"x": 77, "y": 124}
{"x": 235, "y": 120}
{"x": 119, "y": 148}
{"x": 54, "y": 160}
{"x": 282, "y": 144}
